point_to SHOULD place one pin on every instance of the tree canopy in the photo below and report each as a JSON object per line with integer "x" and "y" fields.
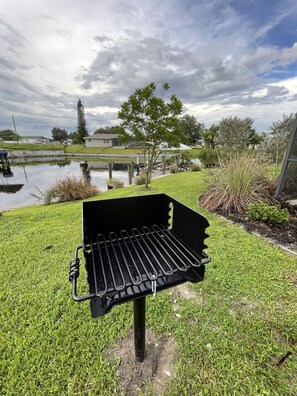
{"x": 152, "y": 121}
{"x": 107, "y": 130}
{"x": 9, "y": 135}
{"x": 235, "y": 133}
{"x": 59, "y": 135}
{"x": 274, "y": 144}
{"x": 192, "y": 129}
{"x": 282, "y": 128}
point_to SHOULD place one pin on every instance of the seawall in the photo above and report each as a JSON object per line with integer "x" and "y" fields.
{"x": 33, "y": 154}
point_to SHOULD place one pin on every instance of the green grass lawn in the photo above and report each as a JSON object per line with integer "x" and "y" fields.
{"x": 72, "y": 149}
{"x": 79, "y": 149}
{"x": 229, "y": 345}
{"x": 31, "y": 146}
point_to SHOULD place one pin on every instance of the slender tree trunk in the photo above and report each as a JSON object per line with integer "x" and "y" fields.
{"x": 147, "y": 177}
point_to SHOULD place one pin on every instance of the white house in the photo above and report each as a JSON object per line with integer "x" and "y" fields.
{"x": 34, "y": 139}
{"x": 102, "y": 140}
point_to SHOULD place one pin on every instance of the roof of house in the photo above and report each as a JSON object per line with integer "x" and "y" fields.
{"x": 100, "y": 136}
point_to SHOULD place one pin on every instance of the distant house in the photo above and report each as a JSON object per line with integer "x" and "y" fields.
{"x": 102, "y": 140}
{"x": 34, "y": 139}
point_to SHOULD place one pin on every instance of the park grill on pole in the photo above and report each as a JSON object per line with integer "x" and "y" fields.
{"x": 138, "y": 246}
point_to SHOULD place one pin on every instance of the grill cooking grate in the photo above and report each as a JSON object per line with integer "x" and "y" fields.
{"x": 130, "y": 258}
{"x": 131, "y": 252}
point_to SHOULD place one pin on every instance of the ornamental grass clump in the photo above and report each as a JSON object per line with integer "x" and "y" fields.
{"x": 173, "y": 168}
{"x": 67, "y": 189}
{"x": 236, "y": 185}
{"x": 141, "y": 179}
{"x": 71, "y": 189}
{"x": 115, "y": 183}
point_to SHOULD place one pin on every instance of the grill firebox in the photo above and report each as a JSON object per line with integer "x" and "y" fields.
{"x": 138, "y": 246}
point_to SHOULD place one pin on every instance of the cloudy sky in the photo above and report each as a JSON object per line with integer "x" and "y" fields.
{"x": 221, "y": 57}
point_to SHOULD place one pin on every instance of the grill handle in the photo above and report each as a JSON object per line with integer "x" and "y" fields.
{"x": 206, "y": 259}
{"x": 74, "y": 274}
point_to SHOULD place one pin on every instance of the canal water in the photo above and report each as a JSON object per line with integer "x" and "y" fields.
{"x": 29, "y": 178}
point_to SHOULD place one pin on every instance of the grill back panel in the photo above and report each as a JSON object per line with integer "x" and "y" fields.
{"x": 123, "y": 213}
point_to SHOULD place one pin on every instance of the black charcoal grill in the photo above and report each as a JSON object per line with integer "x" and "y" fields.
{"x": 138, "y": 246}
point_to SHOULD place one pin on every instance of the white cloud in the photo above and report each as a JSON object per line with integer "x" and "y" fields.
{"x": 265, "y": 59}
{"x": 212, "y": 54}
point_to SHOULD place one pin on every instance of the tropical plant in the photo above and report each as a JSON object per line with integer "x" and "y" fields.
{"x": 238, "y": 183}
{"x": 209, "y": 136}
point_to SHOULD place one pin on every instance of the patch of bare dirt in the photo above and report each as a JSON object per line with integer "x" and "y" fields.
{"x": 243, "y": 304}
{"x": 185, "y": 292}
{"x": 150, "y": 376}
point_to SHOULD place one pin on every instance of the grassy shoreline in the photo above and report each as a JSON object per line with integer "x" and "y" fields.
{"x": 79, "y": 149}
{"x": 230, "y": 344}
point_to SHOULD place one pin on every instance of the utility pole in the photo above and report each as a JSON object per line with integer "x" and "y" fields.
{"x": 14, "y": 125}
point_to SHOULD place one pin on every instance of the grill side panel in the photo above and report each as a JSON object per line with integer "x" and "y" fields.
{"x": 188, "y": 225}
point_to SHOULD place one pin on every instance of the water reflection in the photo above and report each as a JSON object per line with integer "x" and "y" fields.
{"x": 6, "y": 172}
{"x": 86, "y": 172}
{"x": 30, "y": 177}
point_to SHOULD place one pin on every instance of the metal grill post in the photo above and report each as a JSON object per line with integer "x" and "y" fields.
{"x": 139, "y": 328}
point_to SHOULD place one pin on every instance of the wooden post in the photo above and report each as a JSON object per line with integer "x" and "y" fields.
{"x": 132, "y": 168}
{"x": 110, "y": 170}
{"x": 130, "y": 174}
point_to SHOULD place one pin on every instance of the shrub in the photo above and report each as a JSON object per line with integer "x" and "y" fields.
{"x": 272, "y": 215}
{"x": 115, "y": 183}
{"x": 173, "y": 168}
{"x": 236, "y": 185}
{"x": 141, "y": 179}
{"x": 185, "y": 155}
{"x": 195, "y": 168}
{"x": 208, "y": 157}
